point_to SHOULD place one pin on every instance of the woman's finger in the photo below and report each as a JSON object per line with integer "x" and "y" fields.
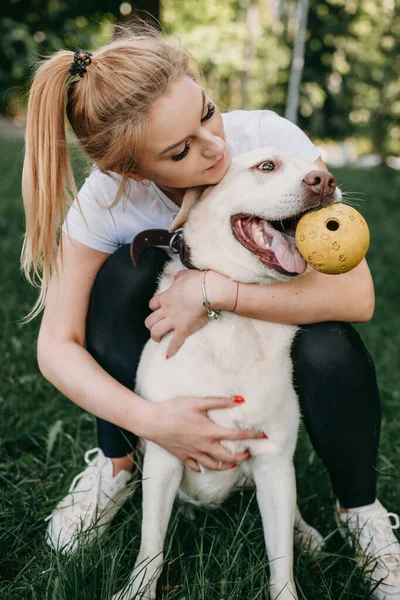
{"x": 160, "y": 329}
{"x": 238, "y": 434}
{"x": 192, "y": 464}
{"x": 175, "y": 344}
{"x": 155, "y": 302}
{"x": 180, "y": 274}
{"x": 220, "y": 453}
{"x": 226, "y": 466}
{"x": 213, "y": 465}
{"x": 222, "y": 402}
{"x": 207, "y": 462}
{"x": 154, "y": 318}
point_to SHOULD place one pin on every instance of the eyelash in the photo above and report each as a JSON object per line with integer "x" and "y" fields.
{"x": 211, "y": 111}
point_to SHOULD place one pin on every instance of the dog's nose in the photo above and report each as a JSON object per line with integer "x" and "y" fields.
{"x": 321, "y": 183}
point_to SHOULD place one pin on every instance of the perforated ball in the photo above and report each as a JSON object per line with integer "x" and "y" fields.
{"x": 334, "y": 239}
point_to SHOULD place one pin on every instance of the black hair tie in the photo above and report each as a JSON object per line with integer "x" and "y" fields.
{"x": 81, "y": 60}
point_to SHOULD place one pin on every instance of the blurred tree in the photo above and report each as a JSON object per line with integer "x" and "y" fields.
{"x": 351, "y": 76}
{"x": 296, "y": 69}
{"x": 252, "y": 33}
{"x": 29, "y": 28}
{"x": 350, "y": 81}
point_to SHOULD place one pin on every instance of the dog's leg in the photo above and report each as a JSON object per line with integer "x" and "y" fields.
{"x": 276, "y": 496}
{"x": 162, "y": 474}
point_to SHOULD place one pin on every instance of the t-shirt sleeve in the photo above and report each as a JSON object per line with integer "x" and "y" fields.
{"x": 91, "y": 222}
{"x": 285, "y": 135}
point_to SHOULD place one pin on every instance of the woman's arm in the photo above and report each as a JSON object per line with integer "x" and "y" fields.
{"x": 180, "y": 425}
{"x": 62, "y": 357}
{"x": 313, "y": 298}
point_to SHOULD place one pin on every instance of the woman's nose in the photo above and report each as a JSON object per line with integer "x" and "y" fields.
{"x": 212, "y": 145}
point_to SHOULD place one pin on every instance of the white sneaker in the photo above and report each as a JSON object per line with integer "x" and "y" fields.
{"x": 92, "y": 501}
{"x": 369, "y": 529}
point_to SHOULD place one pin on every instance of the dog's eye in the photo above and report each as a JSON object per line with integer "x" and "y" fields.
{"x": 267, "y": 165}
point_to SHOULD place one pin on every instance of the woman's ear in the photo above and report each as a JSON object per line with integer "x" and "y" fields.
{"x": 130, "y": 174}
{"x": 134, "y": 175}
{"x": 189, "y": 199}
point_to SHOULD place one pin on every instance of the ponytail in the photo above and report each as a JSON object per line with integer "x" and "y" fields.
{"x": 47, "y": 178}
{"x": 108, "y": 111}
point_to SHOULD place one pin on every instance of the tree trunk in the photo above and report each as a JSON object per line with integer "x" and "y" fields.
{"x": 252, "y": 20}
{"x": 296, "y": 69}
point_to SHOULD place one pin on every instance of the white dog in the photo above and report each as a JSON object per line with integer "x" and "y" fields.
{"x": 244, "y": 228}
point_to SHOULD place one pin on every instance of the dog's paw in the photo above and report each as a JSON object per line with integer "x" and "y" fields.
{"x": 142, "y": 582}
{"x": 130, "y": 592}
{"x": 307, "y": 539}
{"x": 135, "y": 590}
{"x": 285, "y": 591}
{"x": 188, "y": 512}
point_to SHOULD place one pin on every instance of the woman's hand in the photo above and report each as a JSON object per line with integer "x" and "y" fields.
{"x": 182, "y": 427}
{"x": 180, "y": 308}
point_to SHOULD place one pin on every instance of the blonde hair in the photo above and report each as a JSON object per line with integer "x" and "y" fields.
{"x": 108, "y": 110}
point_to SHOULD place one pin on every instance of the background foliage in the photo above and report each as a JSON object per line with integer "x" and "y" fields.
{"x": 351, "y": 77}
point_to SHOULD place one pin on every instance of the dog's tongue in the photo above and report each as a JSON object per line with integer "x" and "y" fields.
{"x": 285, "y": 250}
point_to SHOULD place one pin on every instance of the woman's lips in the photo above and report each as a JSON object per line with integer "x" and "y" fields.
{"x": 218, "y": 164}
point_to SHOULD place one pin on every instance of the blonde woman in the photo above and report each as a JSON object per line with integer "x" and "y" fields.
{"x": 152, "y": 132}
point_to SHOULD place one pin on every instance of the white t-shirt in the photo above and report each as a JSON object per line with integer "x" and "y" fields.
{"x": 147, "y": 207}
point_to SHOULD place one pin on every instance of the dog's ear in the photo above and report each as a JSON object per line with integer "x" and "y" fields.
{"x": 189, "y": 199}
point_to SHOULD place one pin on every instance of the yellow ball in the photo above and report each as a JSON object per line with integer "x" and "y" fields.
{"x": 334, "y": 239}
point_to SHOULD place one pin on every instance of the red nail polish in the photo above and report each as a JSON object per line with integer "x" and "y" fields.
{"x": 265, "y": 436}
{"x": 238, "y": 399}
{"x": 233, "y": 466}
{"x": 167, "y": 357}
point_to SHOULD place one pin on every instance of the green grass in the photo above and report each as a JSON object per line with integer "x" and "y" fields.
{"x": 221, "y": 556}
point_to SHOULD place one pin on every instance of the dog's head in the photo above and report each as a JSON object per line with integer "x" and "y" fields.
{"x": 244, "y": 226}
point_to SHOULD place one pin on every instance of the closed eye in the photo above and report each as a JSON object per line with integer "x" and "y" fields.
{"x": 211, "y": 111}
{"x": 185, "y": 151}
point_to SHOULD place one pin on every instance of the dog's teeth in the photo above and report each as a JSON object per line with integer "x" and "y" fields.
{"x": 267, "y": 241}
{"x": 257, "y": 233}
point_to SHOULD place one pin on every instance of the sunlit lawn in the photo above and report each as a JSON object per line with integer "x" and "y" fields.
{"x": 221, "y": 555}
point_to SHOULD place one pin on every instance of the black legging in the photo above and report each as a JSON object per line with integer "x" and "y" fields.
{"x": 333, "y": 373}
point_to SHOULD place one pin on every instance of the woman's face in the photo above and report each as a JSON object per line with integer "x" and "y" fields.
{"x": 185, "y": 138}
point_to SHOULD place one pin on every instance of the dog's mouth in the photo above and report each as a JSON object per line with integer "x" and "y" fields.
{"x": 273, "y": 242}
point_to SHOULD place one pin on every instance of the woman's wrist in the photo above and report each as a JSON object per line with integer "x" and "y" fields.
{"x": 139, "y": 417}
{"x": 221, "y": 291}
